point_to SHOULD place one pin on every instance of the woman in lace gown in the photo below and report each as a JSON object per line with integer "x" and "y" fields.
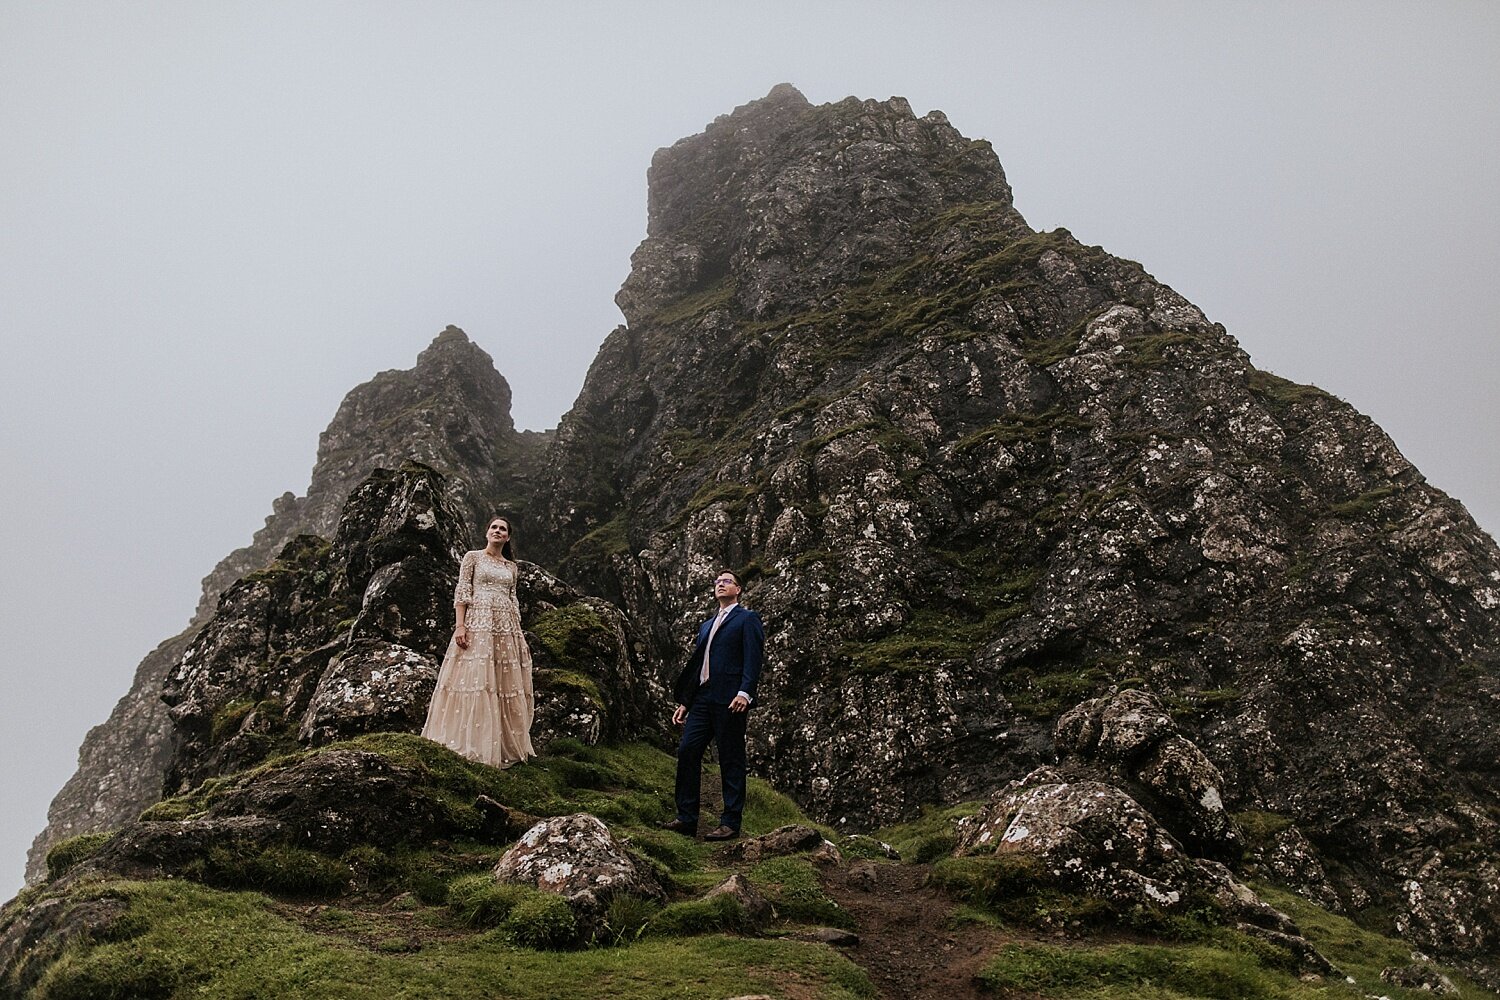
{"x": 482, "y": 706}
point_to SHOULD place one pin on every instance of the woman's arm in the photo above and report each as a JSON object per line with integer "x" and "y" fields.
{"x": 462, "y": 595}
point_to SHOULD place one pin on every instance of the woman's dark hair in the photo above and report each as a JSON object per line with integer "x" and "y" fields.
{"x": 508, "y": 550}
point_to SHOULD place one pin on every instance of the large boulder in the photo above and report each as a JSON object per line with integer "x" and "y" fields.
{"x": 373, "y": 686}
{"x": 1095, "y": 839}
{"x": 326, "y": 801}
{"x": 577, "y": 858}
{"x": 1129, "y": 738}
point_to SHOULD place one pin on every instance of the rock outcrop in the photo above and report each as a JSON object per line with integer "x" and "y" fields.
{"x": 451, "y": 411}
{"x": 977, "y": 474}
{"x": 577, "y": 858}
{"x": 120, "y": 764}
{"x": 345, "y": 637}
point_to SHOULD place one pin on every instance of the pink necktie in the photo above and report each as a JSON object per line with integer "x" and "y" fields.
{"x": 703, "y": 674}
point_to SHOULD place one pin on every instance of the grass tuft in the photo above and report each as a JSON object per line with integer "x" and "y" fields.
{"x": 68, "y": 853}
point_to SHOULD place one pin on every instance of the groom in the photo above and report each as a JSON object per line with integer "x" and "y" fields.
{"x": 714, "y": 694}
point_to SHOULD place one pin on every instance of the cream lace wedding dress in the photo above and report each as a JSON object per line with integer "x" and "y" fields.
{"x": 482, "y": 706}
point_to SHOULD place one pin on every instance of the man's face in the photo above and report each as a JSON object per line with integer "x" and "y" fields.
{"x": 725, "y": 586}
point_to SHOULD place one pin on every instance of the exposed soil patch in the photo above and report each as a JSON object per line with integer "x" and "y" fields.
{"x": 907, "y": 943}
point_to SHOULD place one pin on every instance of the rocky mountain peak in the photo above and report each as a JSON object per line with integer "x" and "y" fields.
{"x": 451, "y": 410}
{"x": 781, "y": 199}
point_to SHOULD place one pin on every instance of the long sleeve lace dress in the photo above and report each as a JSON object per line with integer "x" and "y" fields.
{"x": 482, "y": 706}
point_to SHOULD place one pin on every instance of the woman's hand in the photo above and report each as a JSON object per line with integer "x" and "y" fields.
{"x": 461, "y": 636}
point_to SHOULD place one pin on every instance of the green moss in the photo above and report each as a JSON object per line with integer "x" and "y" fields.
{"x": 720, "y": 914}
{"x": 1259, "y": 827}
{"x": 1020, "y": 890}
{"x": 1046, "y": 695}
{"x": 929, "y": 836}
{"x": 688, "y": 447}
{"x": 1022, "y": 428}
{"x": 304, "y": 553}
{"x": 226, "y": 721}
{"x": 935, "y": 636}
{"x": 541, "y": 920}
{"x": 791, "y": 885}
{"x": 691, "y": 307}
{"x": 1281, "y": 395}
{"x": 1236, "y": 969}
{"x": 766, "y": 809}
{"x": 711, "y": 492}
{"x": 1363, "y": 505}
{"x": 1156, "y": 350}
{"x": 881, "y": 432}
{"x": 573, "y": 634}
{"x": 1192, "y": 704}
{"x": 567, "y": 680}
{"x": 1359, "y": 952}
{"x": 68, "y": 853}
{"x": 480, "y": 901}
{"x": 286, "y": 871}
{"x": 625, "y": 920}
{"x": 205, "y": 942}
{"x": 600, "y": 545}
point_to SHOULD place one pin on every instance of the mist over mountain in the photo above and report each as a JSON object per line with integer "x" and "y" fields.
{"x": 1020, "y": 519}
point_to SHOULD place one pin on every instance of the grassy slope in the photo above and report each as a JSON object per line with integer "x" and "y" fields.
{"x": 1162, "y": 958}
{"x": 386, "y": 930}
{"x": 418, "y": 923}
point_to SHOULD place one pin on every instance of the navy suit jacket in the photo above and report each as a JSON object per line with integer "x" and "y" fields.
{"x": 733, "y": 663}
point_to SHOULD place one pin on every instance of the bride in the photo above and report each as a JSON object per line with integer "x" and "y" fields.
{"x": 482, "y": 707}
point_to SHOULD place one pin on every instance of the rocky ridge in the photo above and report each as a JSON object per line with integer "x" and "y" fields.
{"x": 452, "y": 411}
{"x": 978, "y": 474}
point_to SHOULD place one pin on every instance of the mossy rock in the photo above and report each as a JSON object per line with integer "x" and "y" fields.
{"x": 575, "y": 635}
{"x": 69, "y": 853}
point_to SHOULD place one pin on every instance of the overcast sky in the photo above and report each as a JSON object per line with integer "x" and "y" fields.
{"x": 217, "y": 218}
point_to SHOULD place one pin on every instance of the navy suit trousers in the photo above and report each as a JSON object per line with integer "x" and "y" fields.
{"x": 715, "y": 723}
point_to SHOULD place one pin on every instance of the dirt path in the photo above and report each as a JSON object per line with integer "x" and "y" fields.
{"x": 905, "y": 941}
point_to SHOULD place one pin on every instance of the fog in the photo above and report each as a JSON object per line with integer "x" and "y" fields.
{"x": 218, "y": 218}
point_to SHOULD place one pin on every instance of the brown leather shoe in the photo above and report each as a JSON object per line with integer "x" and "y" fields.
{"x": 721, "y": 833}
{"x": 678, "y": 826}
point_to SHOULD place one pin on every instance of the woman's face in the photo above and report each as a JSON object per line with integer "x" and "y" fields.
{"x": 498, "y": 531}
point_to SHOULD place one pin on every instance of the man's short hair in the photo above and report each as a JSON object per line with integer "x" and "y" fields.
{"x": 729, "y": 572}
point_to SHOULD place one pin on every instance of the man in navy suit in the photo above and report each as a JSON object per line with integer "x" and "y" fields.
{"x": 714, "y": 694}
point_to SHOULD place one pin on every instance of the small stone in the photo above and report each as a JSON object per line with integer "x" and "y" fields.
{"x": 738, "y": 888}
{"x": 835, "y": 936}
{"x": 862, "y": 875}
{"x": 826, "y": 855}
{"x": 791, "y": 839}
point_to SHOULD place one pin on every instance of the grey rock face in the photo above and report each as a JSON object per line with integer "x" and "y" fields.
{"x": 345, "y": 637}
{"x": 451, "y": 411}
{"x": 977, "y": 474}
{"x": 579, "y": 859}
{"x": 369, "y": 688}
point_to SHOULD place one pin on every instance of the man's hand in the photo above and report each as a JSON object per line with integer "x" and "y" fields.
{"x": 739, "y": 704}
{"x": 680, "y": 715}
